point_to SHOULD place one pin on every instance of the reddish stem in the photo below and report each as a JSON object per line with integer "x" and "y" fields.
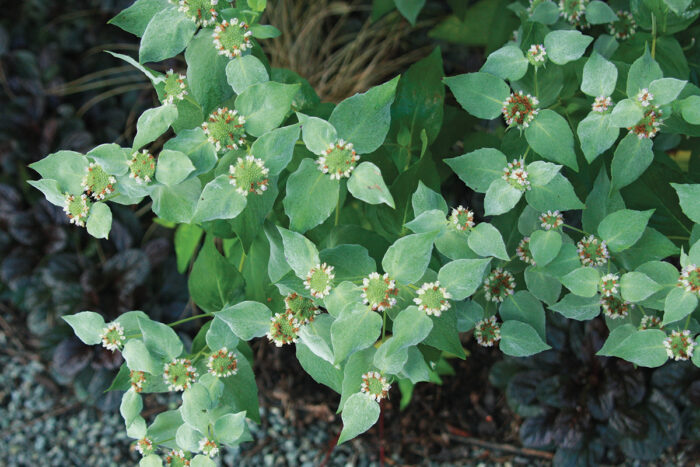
{"x": 331, "y": 447}
{"x": 381, "y": 434}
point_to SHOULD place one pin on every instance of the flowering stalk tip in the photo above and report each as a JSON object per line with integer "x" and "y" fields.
{"x": 551, "y": 220}
{"x": 284, "y": 329}
{"x": 375, "y": 385}
{"x": 249, "y": 175}
{"x": 338, "y": 160}
{"x": 498, "y": 285}
{"x": 679, "y": 345}
{"x": 432, "y": 298}
{"x": 77, "y": 209}
{"x": 96, "y": 182}
{"x": 602, "y": 104}
{"x": 625, "y": 26}
{"x": 487, "y": 332}
{"x": 319, "y": 280}
{"x": 222, "y": 363}
{"x": 301, "y": 308}
{"x": 225, "y": 129}
{"x": 179, "y": 374}
{"x": 379, "y": 291}
{"x": 142, "y": 166}
{"x": 232, "y": 38}
{"x": 516, "y": 175}
{"x": 520, "y": 109}
{"x": 462, "y": 218}
{"x": 113, "y": 336}
{"x": 523, "y": 251}
{"x": 592, "y": 251}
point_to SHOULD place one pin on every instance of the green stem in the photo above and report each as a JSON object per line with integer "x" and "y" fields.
{"x": 653, "y": 36}
{"x": 576, "y": 229}
{"x": 191, "y": 318}
{"x": 383, "y": 325}
{"x": 337, "y": 211}
{"x": 678, "y": 237}
{"x": 112, "y": 196}
{"x": 687, "y": 322}
{"x": 194, "y": 359}
{"x": 526, "y": 153}
{"x": 240, "y": 265}
{"x": 537, "y": 87}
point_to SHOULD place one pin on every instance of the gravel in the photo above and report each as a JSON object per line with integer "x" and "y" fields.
{"x": 43, "y": 426}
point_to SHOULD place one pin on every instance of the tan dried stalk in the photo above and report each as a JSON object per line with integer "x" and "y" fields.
{"x": 336, "y": 46}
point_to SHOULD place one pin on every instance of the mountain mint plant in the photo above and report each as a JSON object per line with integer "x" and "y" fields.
{"x": 341, "y": 229}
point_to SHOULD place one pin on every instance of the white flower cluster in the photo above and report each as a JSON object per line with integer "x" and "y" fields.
{"x": 602, "y": 104}
{"x": 112, "y": 336}
{"x": 324, "y": 269}
{"x": 432, "y": 298}
{"x": 516, "y": 175}
{"x": 239, "y": 43}
{"x": 370, "y": 381}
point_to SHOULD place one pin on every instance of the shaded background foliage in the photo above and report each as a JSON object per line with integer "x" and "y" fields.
{"x": 51, "y": 98}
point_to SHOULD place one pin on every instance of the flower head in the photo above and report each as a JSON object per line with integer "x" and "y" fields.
{"x": 592, "y": 251}
{"x": 177, "y": 458}
{"x": 649, "y": 125}
{"x": 523, "y": 251}
{"x": 249, "y": 175}
{"x": 487, "y": 331}
{"x": 608, "y": 284}
{"x": 222, "y": 363}
{"x": 179, "y": 374}
{"x": 338, "y": 159}
{"x": 520, "y": 109}
{"x": 690, "y": 279}
{"x": 208, "y": 447}
{"x": 96, "y": 182}
{"x": 319, "y": 280}
{"x": 113, "y": 336}
{"x": 232, "y": 38}
{"x": 142, "y": 166}
{"x": 301, "y": 308}
{"x": 462, "y": 218}
{"x": 602, "y": 104}
{"x": 679, "y": 345}
{"x": 145, "y": 446}
{"x": 644, "y": 97}
{"x": 516, "y": 175}
{"x": 551, "y": 220}
{"x": 379, "y": 292}
{"x": 137, "y": 379}
{"x": 375, "y": 385}
{"x": 284, "y": 329}
{"x": 625, "y": 26}
{"x": 614, "y": 307}
{"x": 174, "y": 87}
{"x": 498, "y": 285}
{"x": 432, "y": 298}
{"x": 650, "y": 322}
{"x": 225, "y": 129}
{"x": 537, "y": 55}
{"x": 77, "y": 209}
{"x": 574, "y": 11}
{"x": 202, "y": 12}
